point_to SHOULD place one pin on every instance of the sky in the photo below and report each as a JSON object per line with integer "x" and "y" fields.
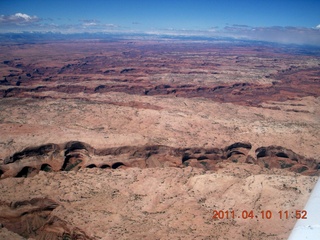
{"x": 284, "y": 21}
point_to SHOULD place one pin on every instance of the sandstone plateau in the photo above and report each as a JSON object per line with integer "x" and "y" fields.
{"x": 147, "y": 139}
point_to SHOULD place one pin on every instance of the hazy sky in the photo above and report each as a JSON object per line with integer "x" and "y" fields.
{"x": 295, "y": 21}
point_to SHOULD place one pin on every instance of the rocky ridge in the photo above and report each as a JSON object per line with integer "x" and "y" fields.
{"x": 74, "y": 155}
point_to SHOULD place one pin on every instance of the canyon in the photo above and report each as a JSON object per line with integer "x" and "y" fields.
{"x": 145, "y": 139}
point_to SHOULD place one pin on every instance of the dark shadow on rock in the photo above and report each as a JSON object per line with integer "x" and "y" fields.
{"x": 117, "y": 165}
{"x": 46, "y": 167}
{"x": 91, "y": 166}
{"x": 27, "y": 172}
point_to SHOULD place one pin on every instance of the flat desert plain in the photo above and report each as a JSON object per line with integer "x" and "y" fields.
{"x": 156, "y": 139}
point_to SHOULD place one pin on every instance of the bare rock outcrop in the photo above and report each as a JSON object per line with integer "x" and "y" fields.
{"x": 279, "y": 157}
{"x": 74, "y": 155}
{"x": 33, "y": 219}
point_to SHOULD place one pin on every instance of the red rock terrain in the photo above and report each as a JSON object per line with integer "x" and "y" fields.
{"x": 145, "y": 139}
{"x": 158, "y": 70}
{"x": 76, "y": 155}
{"x": 32, "y": 219}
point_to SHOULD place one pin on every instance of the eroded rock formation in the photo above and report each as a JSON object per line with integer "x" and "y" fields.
{"x": 75, "y": 155}
{"x": 145, "y": 74}
{"x": 33, "y": 219}
{"x": 279, "y": 157}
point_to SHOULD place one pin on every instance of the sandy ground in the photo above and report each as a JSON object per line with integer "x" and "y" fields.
{"x": 180, "y": 123}
{"x": 170, "y": 203}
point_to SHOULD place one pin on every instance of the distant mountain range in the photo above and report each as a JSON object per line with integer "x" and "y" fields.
{"x": 40, "y": 37}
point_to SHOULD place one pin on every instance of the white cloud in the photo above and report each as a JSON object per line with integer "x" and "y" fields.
{"x": 26, "y": 17}
{"x": 278, "y": 34}
{"x": 111, "y": 25}
{"x": 19, "y": 22}
{"x": 96, "y": 25}
{"x": 295, "y": 35}
{"x": 18, "y": 19}
{"x": 90, "y": 24}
